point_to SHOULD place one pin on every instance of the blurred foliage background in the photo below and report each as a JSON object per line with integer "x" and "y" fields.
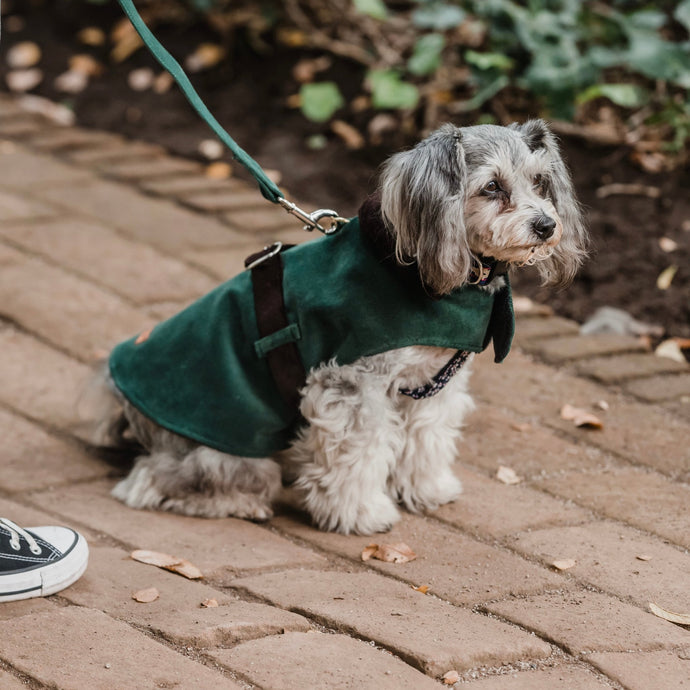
{"x": 614, "y": 71}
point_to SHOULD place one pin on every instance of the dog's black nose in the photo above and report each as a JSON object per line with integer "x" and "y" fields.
{"x": 543, "y": 226}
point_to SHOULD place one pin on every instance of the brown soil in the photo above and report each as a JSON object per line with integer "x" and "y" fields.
{"x": 248, "y": 95}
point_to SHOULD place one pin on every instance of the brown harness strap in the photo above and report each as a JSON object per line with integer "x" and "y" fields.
{"x": 283, "y": 361}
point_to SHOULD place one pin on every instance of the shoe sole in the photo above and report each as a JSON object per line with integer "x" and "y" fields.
{"x": 47, "y": 579}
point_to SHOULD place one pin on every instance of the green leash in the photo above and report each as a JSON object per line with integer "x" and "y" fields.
{"x": 268, "y": 188}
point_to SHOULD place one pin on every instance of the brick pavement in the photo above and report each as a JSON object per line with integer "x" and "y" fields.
{"x": 100, "y": 237}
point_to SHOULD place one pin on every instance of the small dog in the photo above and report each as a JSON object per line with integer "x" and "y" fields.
{"x": 383, "y": 430}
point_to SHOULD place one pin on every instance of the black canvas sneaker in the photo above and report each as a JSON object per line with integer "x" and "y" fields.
{"x": 38, "y": 561}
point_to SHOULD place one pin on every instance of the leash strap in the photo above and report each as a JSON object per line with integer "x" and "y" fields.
{"x": 438, "y": 382}
{"x": 284, "y": 360}
{"x": 268, "y": 188}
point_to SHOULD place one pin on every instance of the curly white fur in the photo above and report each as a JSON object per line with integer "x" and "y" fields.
{"x": 365, "y": 448}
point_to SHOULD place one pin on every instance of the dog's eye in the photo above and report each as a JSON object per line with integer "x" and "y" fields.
{"x": 492, "y": 187}
{"x": 538, "y": 183}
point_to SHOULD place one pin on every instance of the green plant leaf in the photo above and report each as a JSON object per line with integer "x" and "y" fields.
{"x": 388, "y": 90}
{"x": 426, "y": 56}
{"x": 486, "y": 61}
{"x": 319, "y": 101}
{"x": 624, "y": 95}
{"x": 682, "y": 13}
{"x": 373, "y": 8}
{"x": 438, "y": 15}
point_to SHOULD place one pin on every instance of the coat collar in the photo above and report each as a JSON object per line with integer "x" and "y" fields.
{"x": 381, "y": 242}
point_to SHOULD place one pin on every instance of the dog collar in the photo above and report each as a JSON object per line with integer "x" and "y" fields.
{"x": 486, "y": 269}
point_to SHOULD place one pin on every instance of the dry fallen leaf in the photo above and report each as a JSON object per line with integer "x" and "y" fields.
{"x": 351, "y": 136}
{"x": 390, "y": 553}
{"x": 602, "y": 405}
{"x": 23, "y": 55}
{"x": 507, "y": 475}
{"x": 563, "y": 563}
{"x": 20, "y": 80}
{"x": 643, "y": 557}
{"x": 670, "y": 349}
{"x": 209, "y": 604}
{"x": 451, "y": 678}
{"x": 521, "y": 427}
{"x": 205, "y": 56}
{"x": 671, "y": 616}
{"x": 146, "y": 596}
{"x": 167, "y": 562}
{"x": 580, "y": 417}
{"x": 663, "y": 282}
{"x": 91, "y": 36}
{"x": 86, "y": 64}
{"x": 141, "y": 79}
{"x": 422, "y": 588}
{"x": 212, "y": 149}
{"x": 218, "y": 171}
{"x": 667, "y": 244}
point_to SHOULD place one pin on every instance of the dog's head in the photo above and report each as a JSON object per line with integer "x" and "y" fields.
{"x": 500, "y": 192}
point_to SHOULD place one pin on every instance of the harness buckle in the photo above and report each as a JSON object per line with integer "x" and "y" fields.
{"x": 312, "y": 220}
{"x": 266, "y": 254}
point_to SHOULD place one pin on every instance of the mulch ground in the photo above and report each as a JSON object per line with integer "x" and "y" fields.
{"x": 248, "y": 94}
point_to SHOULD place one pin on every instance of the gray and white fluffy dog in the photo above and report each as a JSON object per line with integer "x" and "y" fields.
{"x": 364, "y": 449}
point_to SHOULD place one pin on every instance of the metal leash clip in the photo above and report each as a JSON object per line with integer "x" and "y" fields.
{"x": 312, "y": 220}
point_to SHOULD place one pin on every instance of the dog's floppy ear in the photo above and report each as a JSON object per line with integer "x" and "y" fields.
{"x": 422, "y": 201}
{"x": 561, "y": 267}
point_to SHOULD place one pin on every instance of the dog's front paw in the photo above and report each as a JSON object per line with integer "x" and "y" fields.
{"x": 428, "y": 493}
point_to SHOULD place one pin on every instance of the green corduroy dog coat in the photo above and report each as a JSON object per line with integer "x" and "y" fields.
{"x": 203, "y": 373}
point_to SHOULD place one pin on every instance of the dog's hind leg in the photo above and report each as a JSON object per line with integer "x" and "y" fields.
{"x": 202, "y": 483}
{"x": 342, "y": 459}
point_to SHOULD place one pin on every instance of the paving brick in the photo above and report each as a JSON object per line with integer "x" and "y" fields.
{"x": 491, "y": 509}
{"x": 36, "y": 172}
{"x": 9, "y": 255}
{"x": 112, "y": 577}
{"x": 26, "y": 607}
{"x": 558, "y": 678}
{"x": 23, "y": 125}
{"x": 16, "y": 207}
{"x": 9, "y": 682}
{"x": 644, "y": 434}
{"x": 455, "y": 567}
{"x": 15, "y": 509}
{"x": 606, "y": 557}
{"x": 114, "y": 151}
{"x": 39, "y": 381}
{"x": 296, "y": 660}
{"x": 493, "y": 438}
{"x": 622, "y": 367}
{"x": 157, "y": 166}
{"x": 76, "y": 648}
{"x": 643, "y": 499}
{"x": 656, "y": 388}
{"x": 265, "y": 218}
{"x": 558, "y": 350}
{"x": 582, "y": 622}
{"x": 61, "y": 138}
{"x": 154, "y": 221}
{"x": 184, "y": 185}
{"x": 216, "y": 202}
{"x": 33, "y": 459}
{"x": 663, "y": 669}
{"x": 132, "y": 269}
{"x": 66, "y": 310}
{"x": 426, "y": 632}
{"x": 224, "y": 263}
{"x": 530, "y": 328}
{"x": 218, "y": 547}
